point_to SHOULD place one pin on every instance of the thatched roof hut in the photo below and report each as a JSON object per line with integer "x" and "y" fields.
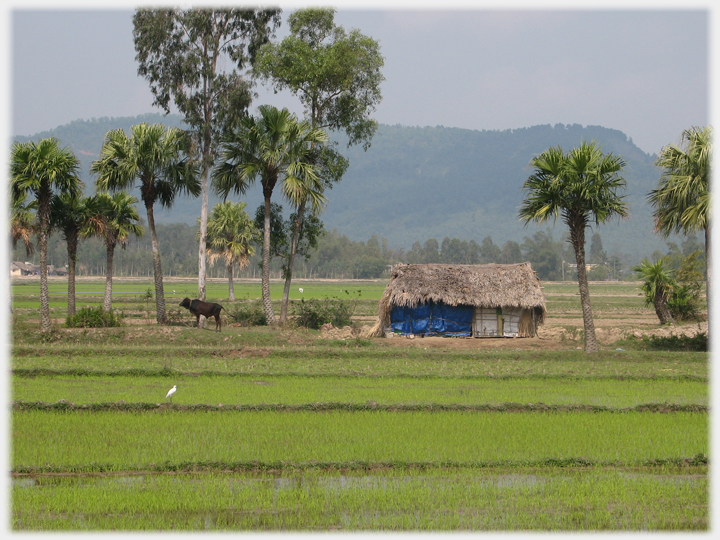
{"x": 456, "y": 299}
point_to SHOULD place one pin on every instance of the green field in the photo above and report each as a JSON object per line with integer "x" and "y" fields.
{"x": 280, "y": 430}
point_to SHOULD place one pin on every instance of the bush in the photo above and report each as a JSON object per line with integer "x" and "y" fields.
{"x": 684, "y": 304}
{"x": 89, "y": 317}
{"x": 314, "y": 313}
{"x": 249, "y": 314}
{"x": 698, "y": 342}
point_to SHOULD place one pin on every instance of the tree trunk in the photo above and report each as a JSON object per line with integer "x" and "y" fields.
{"x": 44, "y": 218}
{"x": 72, "y": 245}
{"x": 661, "y": 307}
{"x": 157, "y": 268}
{"x": 107, "y": 301}
{"x": 231, "y": 286}
{"x": 708, "y": 282}
{"x": 577, "y": 237}
{"x": 290, "y": 262}
{"x": 202, "y": 248}
{"x": 267, "y": 303}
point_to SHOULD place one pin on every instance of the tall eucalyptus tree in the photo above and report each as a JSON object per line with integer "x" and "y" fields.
{"x": 195, "y": 57}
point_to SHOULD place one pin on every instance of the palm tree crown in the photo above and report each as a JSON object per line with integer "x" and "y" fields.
{"x": 231, "y": 233}
{"x": 580, "y": 187}
{"x": 159, "y": 158}
{"x": 272, "y": 145}
{"x": 682, "y": 199}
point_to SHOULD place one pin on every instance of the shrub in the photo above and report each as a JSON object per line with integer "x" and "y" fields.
{"x": 684, "y": 304}
{"x": 678, "y": 343}
{"x": 249, "y": 314}
{"x": 314, "y": 313}
{"x": 89, "y": 317}
{"x": 176, "y": 315}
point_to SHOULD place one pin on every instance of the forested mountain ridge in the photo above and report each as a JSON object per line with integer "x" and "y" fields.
{"x": 416, "y": 183}
{"x": 434, "y": 182}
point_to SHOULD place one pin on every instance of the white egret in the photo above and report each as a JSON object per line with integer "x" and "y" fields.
{"x": 171, "y": 392}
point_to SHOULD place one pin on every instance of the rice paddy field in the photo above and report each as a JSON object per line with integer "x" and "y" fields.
{"x": 289, "y": 429}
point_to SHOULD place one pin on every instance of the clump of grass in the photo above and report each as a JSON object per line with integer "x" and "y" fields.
{"x": 93, "y": 318}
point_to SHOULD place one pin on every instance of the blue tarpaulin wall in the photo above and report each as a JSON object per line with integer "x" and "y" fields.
{"x": 432, "y": 318}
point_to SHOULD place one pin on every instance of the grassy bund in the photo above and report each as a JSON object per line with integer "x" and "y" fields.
{"x": 285, "y": 430}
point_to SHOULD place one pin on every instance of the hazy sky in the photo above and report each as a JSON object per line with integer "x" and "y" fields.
{"x": 643, "y": 71}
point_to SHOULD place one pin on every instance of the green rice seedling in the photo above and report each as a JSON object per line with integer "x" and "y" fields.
{"x": 119, "y": 441}
{"x": 398, "y": 391}
{"x": 272, "y": 351}
{"x": 402, "y": 500}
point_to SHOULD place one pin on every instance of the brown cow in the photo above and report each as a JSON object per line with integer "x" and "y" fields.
{"x": 207, "y": 309}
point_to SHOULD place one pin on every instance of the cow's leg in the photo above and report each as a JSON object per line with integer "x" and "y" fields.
{"x": 197, "y": 321}
{"x": 218, "y": 323}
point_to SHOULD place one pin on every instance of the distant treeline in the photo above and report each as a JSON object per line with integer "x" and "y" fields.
{"x": 338, "y": 257}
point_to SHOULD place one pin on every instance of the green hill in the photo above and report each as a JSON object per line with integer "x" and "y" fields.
{"x": 416, "y": 183}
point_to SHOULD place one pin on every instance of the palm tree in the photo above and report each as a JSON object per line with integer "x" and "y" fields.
{"x": 43, "y": 169}
{"x": 116, "y": 219}
{"x": 22, "y": 224}
{"x": 158, "y": 158}
{"x": 273, "y": 146}
{"x": 581, "y": 187}
{"x": 70, "y": 215}
{"x": 682, "y": 200}
{"x": 230, "y": 233}
{"x": 658, "y": 284}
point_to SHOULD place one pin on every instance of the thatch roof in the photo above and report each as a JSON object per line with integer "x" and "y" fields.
{"x": 479, "y": 285}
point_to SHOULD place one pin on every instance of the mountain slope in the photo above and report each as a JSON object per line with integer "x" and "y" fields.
{"x": 416, "y": 183}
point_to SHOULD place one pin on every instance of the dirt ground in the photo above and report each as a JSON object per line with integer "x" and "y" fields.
{"x": 552, "y": 336}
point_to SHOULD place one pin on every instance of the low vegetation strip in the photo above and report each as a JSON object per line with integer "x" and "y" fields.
{"x": 213, "y": 356}
{"x": 349, "y": 407}
{"x": 386, "y": 391}
{"x": 658, "y": 375}
{"x": 696, "y": 464}
{"x": 136, "y": 440}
